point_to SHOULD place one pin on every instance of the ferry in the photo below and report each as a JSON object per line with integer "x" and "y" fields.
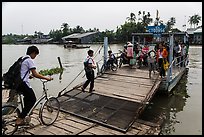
{"x": 177, "y": 65}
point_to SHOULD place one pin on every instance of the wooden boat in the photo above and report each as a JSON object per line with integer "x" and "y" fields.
{"x": 81, "y": 46}
{"x": 69, "y": 45}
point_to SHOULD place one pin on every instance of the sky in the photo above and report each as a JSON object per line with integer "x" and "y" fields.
{"x": 28, "y": 17}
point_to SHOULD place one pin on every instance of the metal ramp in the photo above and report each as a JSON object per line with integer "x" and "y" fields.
{"x": 107, "y": 111}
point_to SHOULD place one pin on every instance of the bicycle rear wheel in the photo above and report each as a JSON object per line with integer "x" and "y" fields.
{"x": 49, "y": 111}
{"x": 9, "y": 116}
{"x": 114, "y": 68}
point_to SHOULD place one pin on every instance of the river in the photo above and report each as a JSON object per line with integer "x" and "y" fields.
{"x": 182, "y": 110}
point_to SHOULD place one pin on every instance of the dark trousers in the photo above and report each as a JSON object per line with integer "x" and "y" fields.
{"x": 161, "y": 67}
{"x": 90, "y": 78}
{"x": 29, "y": 99}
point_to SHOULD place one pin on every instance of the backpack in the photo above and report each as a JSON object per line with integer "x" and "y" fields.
{"x": 12, "y": 78}
{"x": 86, "y": 67}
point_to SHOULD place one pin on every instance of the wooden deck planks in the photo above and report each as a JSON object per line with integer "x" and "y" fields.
{"x": 71, "y": 125}
{"x": 134, "y": 86}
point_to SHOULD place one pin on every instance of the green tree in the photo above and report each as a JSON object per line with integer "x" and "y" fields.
{"x": 145, "y": 19}
{"x": 65, "y": 29}
{"x": 78, "y": 29}
{"x": 132, "y": 18}
{"x": 170, "y": 23}
{"x": 194, "y": 20}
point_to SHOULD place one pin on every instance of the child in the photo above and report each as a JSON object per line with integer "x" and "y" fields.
{"x": 89, "y": 71}
{"x": 111, "y": 58}
{"x": 25, "y": 88}
{"x": 151, "y": 59}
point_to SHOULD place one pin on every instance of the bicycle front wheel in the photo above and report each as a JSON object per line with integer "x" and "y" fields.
{"x": 49, "y": 111}
{"x": 9, "y": 116}
{"x": 103, "y": 69}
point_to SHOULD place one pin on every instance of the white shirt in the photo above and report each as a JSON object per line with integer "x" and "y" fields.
{"x": 179, "y": 48}
{"x": 25, "y": 68}
{"x": 111, "y": 56}
{"x": 91, "y": 61}
{"x": 160, "y": 54}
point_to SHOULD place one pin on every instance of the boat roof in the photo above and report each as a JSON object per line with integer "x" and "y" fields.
{"x": 79, "y": 35}
{"x": 163, "y": 34}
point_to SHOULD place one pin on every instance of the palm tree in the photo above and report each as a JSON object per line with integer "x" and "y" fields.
{"x": 146, "y": 20}
{"x": 78, "y": 29}
{"x": 195, "y": 19}
{"x": 173, "y": 21}
{"x": 170, "y": 23}
{"x": 139, "y": 13}
{"x": 65, "y": 28}
{"x": 132, "y": 17}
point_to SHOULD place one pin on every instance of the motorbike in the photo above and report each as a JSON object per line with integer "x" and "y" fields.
{"x": 122, "y": 59}
{"x": 142, "y": 59}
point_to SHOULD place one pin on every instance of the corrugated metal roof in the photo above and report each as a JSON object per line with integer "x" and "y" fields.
{"x": 79, "y": 35}
{"x": 198, "y": 30}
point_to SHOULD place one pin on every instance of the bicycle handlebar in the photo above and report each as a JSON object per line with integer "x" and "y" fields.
{"x": 44, "y": 81}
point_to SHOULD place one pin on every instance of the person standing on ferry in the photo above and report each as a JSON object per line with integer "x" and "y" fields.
{"x": 161, "y": 56}
{"x": 89, "y": 71}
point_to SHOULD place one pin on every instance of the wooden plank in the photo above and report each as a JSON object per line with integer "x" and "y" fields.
{"x": 85, "y": 129}
{"x": 132, "y": 131}
{"x": 121, "y": 83}
{"x": 78, "y": 120}
{"x": 40, "y": 130}
{"x": 140, "y": 92}
{"x": 97, "y": 131}
{"x": 73, "y": 124}
{"x": 127, "y": 80}
{"x": 121, "y": 95}
{"x": 147, "y": 123}
{"x": 35, "y": 121}
{"x": 111, "y": 131}
{"x": 121, "y": 90}
{"x": 86, "y": 133}
{"x": 66, "y": 127}
{"x": 133, "y": 73}
{"x": 57, "y": 131}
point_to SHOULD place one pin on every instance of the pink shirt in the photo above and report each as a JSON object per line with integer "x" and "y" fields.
{"x": 145, "y": 50}
{"x": 129, "y": 51}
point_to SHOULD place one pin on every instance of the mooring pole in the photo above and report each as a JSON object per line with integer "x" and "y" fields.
{"x": 60, "y": 62}
{"x": 105, "y": 49}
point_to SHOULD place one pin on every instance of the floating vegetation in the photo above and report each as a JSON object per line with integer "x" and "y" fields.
{"x": 51, "y": 71}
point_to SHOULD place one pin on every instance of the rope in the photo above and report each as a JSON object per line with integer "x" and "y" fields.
{"x": 78, "y": 74}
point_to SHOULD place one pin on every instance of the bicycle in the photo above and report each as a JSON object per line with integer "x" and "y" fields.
{"x": 110, "y": 66}
{"x": 48, "y": 111}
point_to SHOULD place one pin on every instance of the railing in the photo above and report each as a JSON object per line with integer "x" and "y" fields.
{"x": 177, "y": 63}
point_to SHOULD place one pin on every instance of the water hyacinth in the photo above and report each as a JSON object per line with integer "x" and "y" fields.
{"x": 51, "y": 71}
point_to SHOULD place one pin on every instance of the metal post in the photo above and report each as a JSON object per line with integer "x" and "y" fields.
{"x": 133, "y": 40}
{"x": 144, "y": 40}
{"x": 171, "y": 45}
{"x": 184, "y": 39}
{"x": 105, "y": 49}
